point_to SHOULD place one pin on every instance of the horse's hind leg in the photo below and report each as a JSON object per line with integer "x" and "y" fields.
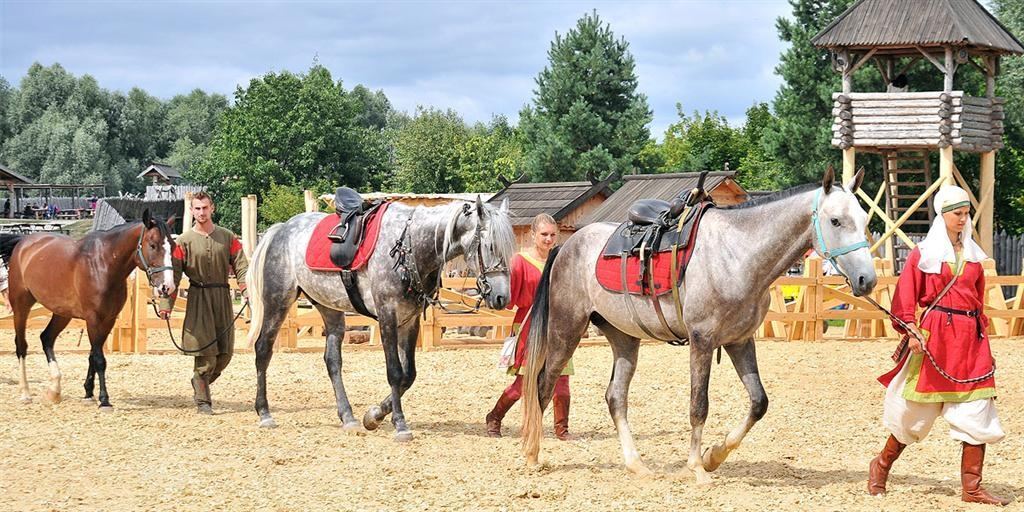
{"x": 273, "y": 317}
{"x": 21, "y": 304}
{"x": 701, "y": 349}
{"x": 334, "y": 323}
{"x": 624, "y": 352}
{"x": 744, "y": 358}
{"x": 49, "y": 337}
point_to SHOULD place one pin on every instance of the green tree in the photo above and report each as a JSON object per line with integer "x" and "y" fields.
{"x": 1009, "y": 191}
{"x": 280, "y": 203}
{"x": 586, "y": 115}
{"x": 490, "y": 150}
{"x": 427, "y": 151}
{"x": 702, "y": 142}
{"x": 284, "y": 128}
{"x": 6, "y": 98}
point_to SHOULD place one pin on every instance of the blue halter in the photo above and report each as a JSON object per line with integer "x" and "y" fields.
{"x": 830, "y": 255}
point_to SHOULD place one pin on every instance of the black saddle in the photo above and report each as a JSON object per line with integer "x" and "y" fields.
{"x": 653, "y": 224}
{"x": 348, "y": 234}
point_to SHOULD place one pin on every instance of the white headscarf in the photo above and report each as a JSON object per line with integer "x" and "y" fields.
{"x": 936, "y": 247}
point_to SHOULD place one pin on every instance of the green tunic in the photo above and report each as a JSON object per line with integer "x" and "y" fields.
{"x": 206, "y": 260}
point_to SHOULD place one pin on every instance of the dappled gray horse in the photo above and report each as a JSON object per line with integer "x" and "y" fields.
{"x": 739, "y": 252}
{"x": 432, "y": 236}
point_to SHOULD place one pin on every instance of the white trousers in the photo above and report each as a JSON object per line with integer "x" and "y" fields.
{"x": 971, "y": 422}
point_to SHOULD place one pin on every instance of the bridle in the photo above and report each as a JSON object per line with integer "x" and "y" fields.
{"x": 143, "y": 264}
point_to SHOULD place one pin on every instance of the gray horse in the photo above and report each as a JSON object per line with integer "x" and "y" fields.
{"x": 739, "y": 252}
{"x": 429, "y": 237}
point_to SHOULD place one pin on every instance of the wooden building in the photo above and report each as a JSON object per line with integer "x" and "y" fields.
{"x": 906, "y": 126}
{"x": 160, "y": 174}
{"x": 567, "y": 202}
{"x": 721, "y": 185}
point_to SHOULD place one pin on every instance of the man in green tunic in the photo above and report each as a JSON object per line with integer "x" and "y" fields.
{"x": 206, "y": 254}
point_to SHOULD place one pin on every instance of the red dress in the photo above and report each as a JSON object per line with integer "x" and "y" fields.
{"x": 524, "y": 277}
{"x": 952, "y": 339}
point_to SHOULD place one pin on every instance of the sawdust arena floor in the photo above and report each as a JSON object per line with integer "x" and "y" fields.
{"x": 153, "y": 452}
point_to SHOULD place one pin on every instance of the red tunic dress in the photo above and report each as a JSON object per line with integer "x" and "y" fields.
{"x": 952, "y": 339}
{"x": 524, "y": 277}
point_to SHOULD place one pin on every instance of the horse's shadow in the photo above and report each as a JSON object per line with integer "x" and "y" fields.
{"x": 781, "y": 474}
{"x": 183, "y": 401}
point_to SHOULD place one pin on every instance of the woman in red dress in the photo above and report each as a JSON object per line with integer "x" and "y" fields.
{"x": 526, "y": 269}
{"x": 954, "y": 378}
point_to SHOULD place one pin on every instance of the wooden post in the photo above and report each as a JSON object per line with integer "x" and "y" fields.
{"x": 847, "y": 71}
{"x": 950, "y": 70}
{"x": 849, "y": 164}
{"x": 186, "y": 219}
{"x": 991, "y": 66}
{"x": 430, "y": 332}
{"x": 311, "y": 201}
{"x": 249, "y": 224}
{"x": 818, "y": 299}
{"x": 946, "y": 166}
{"x": 993, "y": 299}
{"x": 987, "y": 179}
{"x": 142, "y": 293}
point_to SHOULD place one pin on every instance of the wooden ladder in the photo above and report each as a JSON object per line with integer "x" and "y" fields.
{"x": 907, "y": 176}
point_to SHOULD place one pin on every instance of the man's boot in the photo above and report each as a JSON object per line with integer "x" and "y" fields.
{"x": 878, "y": 470}
{"x": 201, "y": 395}
{"x": 970, "y": 476}
{"x": 561, "y": 413}
{"x": 497, "y": 414}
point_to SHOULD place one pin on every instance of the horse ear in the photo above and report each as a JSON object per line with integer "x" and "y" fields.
{"x": 504, "y": 206}
{"x": 855, "y": 183}
{"x": 479, "y": 206}
{"x": 171, "y": 221}
{"x": 147, "y": 220}
{"x": 830, "y": 176}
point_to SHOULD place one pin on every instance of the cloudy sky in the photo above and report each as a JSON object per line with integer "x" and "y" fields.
{"x": 479, "y": 58}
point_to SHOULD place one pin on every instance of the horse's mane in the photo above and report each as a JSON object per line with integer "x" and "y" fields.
{"x": 503, "y": 238}
{"x": 777, "y": 196}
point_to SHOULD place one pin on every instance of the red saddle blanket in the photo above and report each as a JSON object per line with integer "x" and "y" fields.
{"x": 609, "y": 270}
{"x": 318, "y": 250}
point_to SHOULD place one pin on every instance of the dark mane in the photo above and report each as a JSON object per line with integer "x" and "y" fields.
{"x": 777, "y": 196}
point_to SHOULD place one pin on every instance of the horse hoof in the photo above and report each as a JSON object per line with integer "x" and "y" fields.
{"x": 352, "y": 427}
{"x": 25, "y": 399}
{"x": 713, "y": 457}
{"x": 640, "y": 470}
{"x": 268, "y": 423}
{"x": 404, "y": 436}
{"x": 107, "y": 408}
{"x": 52, "y": 396}
{"x": 704, "y": 480}
{"x": 370, "y": 419}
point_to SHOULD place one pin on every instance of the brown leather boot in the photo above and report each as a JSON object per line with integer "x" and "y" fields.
{"x": 878, "y": 470}
{"x": 201, "y": 395}
{"x": 561, "y": 413}
{"x": 970, "y": 475}
{"x": 497, "y": 414}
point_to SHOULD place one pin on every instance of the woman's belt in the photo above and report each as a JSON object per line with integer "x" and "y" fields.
{"x": 970, "y": 313}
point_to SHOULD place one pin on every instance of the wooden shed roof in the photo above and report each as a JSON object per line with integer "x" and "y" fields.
{"x": 165, "y": 171}
{"x": 906, "y": 23}
{"x": 527, "y": 200}
{"x": 657, "y": 186}
{"x": 6, "y": 174}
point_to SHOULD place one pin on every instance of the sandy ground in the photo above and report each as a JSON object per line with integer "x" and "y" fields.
{"x": 154, "y": 453}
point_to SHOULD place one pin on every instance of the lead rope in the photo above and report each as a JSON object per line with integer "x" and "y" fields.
{"x": 208, "y": 345}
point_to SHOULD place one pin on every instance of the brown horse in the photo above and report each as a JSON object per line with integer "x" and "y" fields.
{"x": 84, "y": 279}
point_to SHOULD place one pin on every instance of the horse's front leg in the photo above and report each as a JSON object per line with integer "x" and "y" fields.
{"x": 744, "y": 358}
{"x": 701, "y": 349}
{"x": 98, "y": 330}
{"x": 392, "y": 335}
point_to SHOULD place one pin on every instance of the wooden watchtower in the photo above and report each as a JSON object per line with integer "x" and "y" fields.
{"x": 904, "y": 127}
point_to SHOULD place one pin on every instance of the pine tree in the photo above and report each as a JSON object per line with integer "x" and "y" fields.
{"x": 586, "y": 115}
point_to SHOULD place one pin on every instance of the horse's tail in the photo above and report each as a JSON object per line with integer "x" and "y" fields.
{"x": 7, "y": 244}
{"x": 537, "y": 340}
{"x": 255, "y": 283}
